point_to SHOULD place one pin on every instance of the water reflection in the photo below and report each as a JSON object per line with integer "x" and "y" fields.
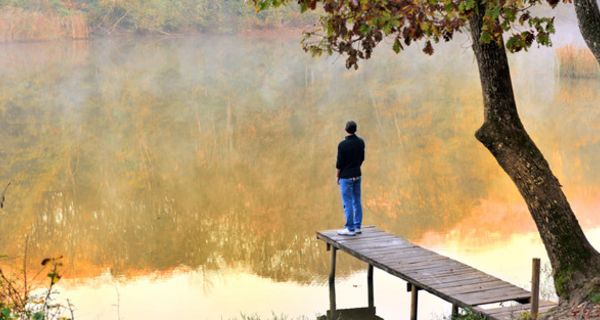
{"x": 216, "y": 153}
{"x": 352, "y": 314}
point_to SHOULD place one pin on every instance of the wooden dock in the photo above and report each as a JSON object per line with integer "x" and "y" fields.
{"x": 459, "y": 284}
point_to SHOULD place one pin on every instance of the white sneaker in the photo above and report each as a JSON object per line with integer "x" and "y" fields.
{"x": 346, "y": 232}
{"x": 357, "y": 231}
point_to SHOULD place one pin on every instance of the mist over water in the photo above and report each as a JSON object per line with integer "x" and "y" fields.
{"x": 165, "y": 163}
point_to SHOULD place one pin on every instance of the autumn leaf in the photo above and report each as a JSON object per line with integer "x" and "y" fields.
{"x": 428, "y": 48}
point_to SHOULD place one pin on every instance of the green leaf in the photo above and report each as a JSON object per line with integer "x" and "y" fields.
{"x": 485, "y": 37}
{"x": 494, "y": 12}
{"x": 397, "y": 46}
{"x": 469, "y": 4}
{"x": 509, "y": 14}
{"x": 303, "y": 7}
{"x": 364, "y": 29}
{"x": 5, "y": 314}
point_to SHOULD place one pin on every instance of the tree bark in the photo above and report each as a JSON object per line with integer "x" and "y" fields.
{"x": 588, "y": 16}
{"x": 574, "y": 260}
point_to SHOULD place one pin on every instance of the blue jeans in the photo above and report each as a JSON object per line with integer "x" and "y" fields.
{"x": 350, "y": 190}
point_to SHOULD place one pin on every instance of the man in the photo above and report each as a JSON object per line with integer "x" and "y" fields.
{"x": 350, "y": 156}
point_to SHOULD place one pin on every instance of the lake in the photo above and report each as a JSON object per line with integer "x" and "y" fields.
{"x": 186, "y": 177}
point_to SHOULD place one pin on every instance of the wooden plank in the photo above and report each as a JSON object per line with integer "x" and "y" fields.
{"x": 519, "y": 307}
{"x": 385, "y": 255}
{"x": 435, "y": 271}
{"x": 478, "y": 287}
{"x": 424, "y": 265}
{"x": 458, "y": 282}
{"x": 375, "y": 247}
{"x": 448, "y": 276}
{"x": 453, "y": 276}
{"x": 416, "y": 262}
{"x": 492, "y": 296}
{"x": 383, "y": 244}
{"x": 514, "y": 312}
{"x": 338, "y": 237}
{"x": 426, "y": 262}
{"x": 398, "y": 257}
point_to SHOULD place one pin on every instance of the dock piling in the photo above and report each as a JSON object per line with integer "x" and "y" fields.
{"x": 370, "y": 286}
{"x": 454, "y": 311}
{"x": 535, "y": 288}
{"x": 414, "y": 302}
{"x": 332, "y": 306}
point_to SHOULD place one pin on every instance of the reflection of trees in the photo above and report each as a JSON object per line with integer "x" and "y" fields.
{"x": 219, "y": 153}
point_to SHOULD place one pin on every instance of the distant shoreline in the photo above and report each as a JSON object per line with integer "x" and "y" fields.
{"x": 22, "y": 25}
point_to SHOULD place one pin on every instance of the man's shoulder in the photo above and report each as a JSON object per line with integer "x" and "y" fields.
{"x": 361, "y": 140}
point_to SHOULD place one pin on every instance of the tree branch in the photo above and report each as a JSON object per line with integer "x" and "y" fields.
{"x": 588, "y": 16}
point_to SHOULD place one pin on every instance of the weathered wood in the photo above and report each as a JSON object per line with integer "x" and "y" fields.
{"x": 491, "y": 296}
{"x": 333, "y": 261}
{"x": 535, "y": 288}
{"x": 332, "y": 302}
{"x": 461, "y": 285}
{"x": 409, "y": 287}
{"x": 414, "y": 302}
{"x": 514, "y": 312}
{"x": 459, "y": 282}
{"x": 495, "y": 285}
{"x": 454, "y": 311}
{"x": 371, "y": 295}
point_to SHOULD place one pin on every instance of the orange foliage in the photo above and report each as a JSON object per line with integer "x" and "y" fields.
{"x": 576, "y": 62}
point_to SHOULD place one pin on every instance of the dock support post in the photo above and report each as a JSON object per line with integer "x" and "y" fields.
{"x": 414, "y": 302}
{"x": 332, "y": 307}
{"x": 370, "y": 286}
{"x": 535, "y": 288}
{"x": 454, "y": 311}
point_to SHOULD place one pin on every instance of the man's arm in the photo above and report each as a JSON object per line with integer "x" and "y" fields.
{"x": 338, "y": 164}
{"x": 362, "y": 153}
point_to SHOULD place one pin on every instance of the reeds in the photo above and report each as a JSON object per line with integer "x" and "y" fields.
{"x": 17, "y": 24}
{"x": 577, "y": 63}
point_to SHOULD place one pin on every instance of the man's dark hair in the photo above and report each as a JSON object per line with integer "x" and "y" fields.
{"x": 351, "y": 127}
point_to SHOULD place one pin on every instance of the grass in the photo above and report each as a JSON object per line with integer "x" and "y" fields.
{"x": 577, "y": 63}
{"x": 595, "y": 298}
{"x": 469, "y": 314}
{"x": 273, "y": 317}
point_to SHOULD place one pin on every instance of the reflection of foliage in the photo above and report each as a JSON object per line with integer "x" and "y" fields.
{"x": 27, "y": 302}
{"x": 217, "y": 153}
{"x": 576, "y": 63}
{"x": 164, "y": 16}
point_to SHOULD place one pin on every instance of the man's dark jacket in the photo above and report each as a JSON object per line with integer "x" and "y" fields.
{"x": 351, "y": 154}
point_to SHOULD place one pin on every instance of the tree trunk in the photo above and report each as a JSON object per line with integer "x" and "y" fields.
{"x": 574, "y": 260}
{"x": 588, "y": 16}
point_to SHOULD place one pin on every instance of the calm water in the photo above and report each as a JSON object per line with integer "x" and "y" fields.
{"x": 185, "y": 178}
